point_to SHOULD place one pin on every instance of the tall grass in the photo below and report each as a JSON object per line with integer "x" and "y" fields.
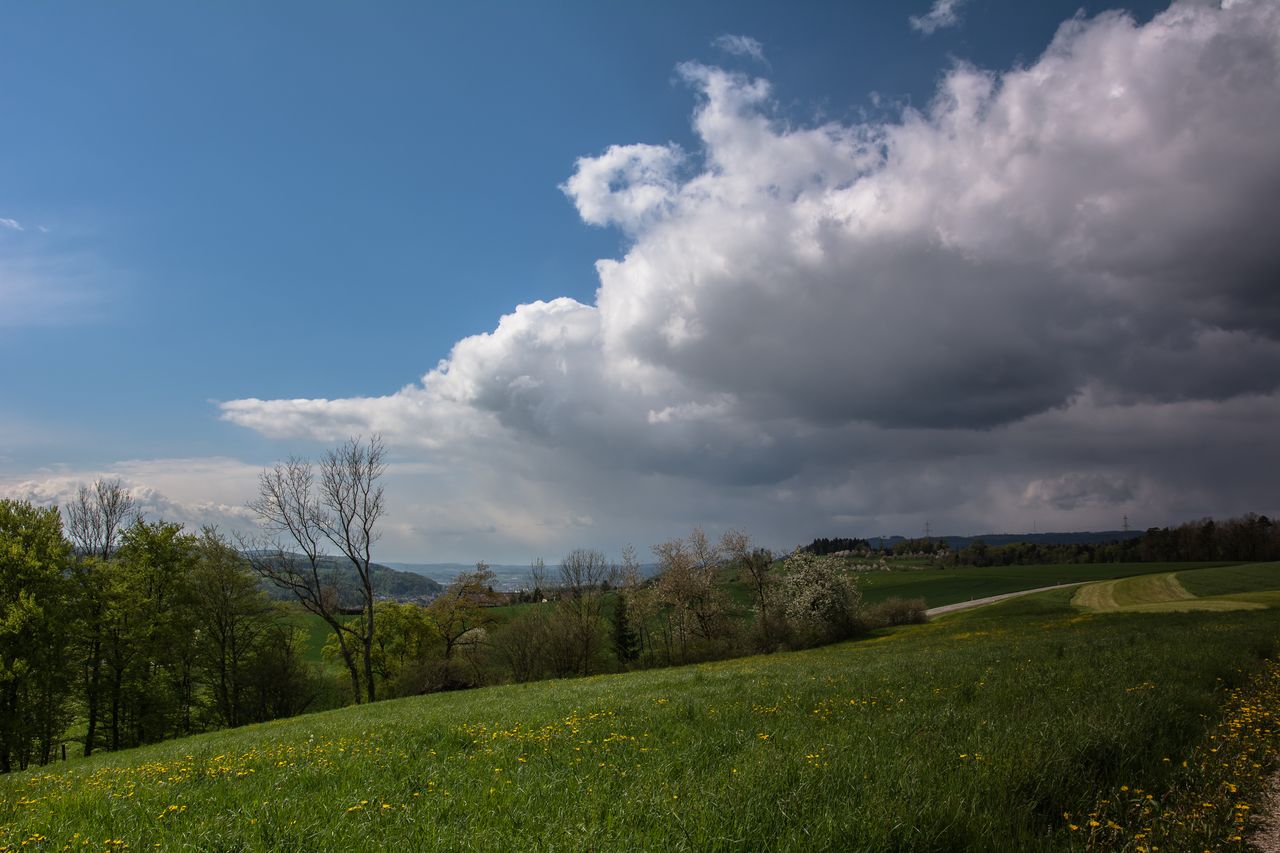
{"x": 977, "y": 732}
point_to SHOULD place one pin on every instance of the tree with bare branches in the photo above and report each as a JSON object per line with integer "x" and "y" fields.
{"x": 340, "y": 509}
{"x": 96, "y": 518}
{"x": 758, "y": 564}
{"x": 695, "y": 606}
{"x": 585, "y": 575}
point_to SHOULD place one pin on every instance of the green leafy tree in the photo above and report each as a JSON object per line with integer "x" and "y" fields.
{"x": 463, "y": 607}
{"x": 406, "y": 639}
{"x": 34, "y": 557}
{"x": 233, "y": 618}
{"x": 154, "y": 652}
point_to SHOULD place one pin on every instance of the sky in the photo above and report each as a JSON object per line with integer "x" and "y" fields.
{"x": 598, "y": 273}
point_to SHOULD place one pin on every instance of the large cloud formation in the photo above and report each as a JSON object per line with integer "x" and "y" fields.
{"x": 1031, "y": 297}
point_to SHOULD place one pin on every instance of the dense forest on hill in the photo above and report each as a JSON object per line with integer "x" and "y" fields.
{"x": 1248, "y": 538}
{"x": 390, "y": 583}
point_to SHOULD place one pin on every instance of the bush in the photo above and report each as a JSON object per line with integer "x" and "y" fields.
{"x": 895, "y": 611}
{"x": 821, "y": 602}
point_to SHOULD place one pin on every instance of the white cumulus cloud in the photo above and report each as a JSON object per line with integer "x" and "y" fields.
{"x": 889, "y": 319}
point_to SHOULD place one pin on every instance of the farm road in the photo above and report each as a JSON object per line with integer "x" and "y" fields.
{"x": 992, "y": 599}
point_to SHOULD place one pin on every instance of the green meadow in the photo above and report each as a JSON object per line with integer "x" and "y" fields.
{"x": 940, "y": 587}
{"x": 990, "y": 729}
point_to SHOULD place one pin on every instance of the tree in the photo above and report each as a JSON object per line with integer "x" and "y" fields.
{"x": 405, "y": 639}
{"x": 33, "y": 594}
{"x": 821, "y": 601}
{"x": 522, "y": 644}
{"x": 279, "y": 681}
{"x": 626, "y": 644}
{"x": 460, "y": 614}
{"x": 152, "y": 635}
{"x": 351, "y": 491}
{"x": 342, "y": 510}
{"x": 233, "y": 616}
{"x": 95, "y": 520}
{"x": 98, "y": 516}
{"x": 538, "y": 580}
{"x": 584, "y": 576}
{"x": 758, "y": 565}
{"x": 694, "y": 603}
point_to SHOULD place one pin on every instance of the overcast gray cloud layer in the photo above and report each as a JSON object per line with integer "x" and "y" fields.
{"x": 1050, "y": 296}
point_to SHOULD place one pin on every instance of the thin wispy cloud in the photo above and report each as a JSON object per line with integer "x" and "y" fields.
{"x": 12, "y": 224}
{"x": 47, "y": 289}
{"x": 943, "y": 14}
{"x": 740, "y": 46}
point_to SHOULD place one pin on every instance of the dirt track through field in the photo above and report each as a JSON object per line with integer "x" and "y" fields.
{"x": 992, "y": 599}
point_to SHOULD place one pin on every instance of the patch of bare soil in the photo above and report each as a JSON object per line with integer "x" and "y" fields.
{"x": 1266, "y": 837}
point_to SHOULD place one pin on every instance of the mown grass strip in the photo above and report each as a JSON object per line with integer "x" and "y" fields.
{"x": 1216, "y": 589}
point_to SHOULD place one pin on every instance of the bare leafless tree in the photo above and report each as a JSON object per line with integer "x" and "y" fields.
{"x": 538, "y": 579}
{"x": 303, "y": 518}
{"x": 688, "y": 587}
{"x": 758, "y": 564}
{"x": 98, "y": 515}
{"x": 351, "y": 492}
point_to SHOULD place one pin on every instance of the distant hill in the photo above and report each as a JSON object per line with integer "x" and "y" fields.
{"x": 1089, "y": 537}
{"x": 387, "y": 582}
{"x": 1075, "y": 538}
{"x": 510, "y": 576}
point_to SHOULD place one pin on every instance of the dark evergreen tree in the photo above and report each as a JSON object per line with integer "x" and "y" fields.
{"x": 626, "y": 644}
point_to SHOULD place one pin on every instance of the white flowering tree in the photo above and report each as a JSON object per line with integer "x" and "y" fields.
{"x": 821, "y": 600}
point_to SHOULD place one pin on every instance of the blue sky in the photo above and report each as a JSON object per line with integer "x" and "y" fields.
{"x": 235, "y": 201}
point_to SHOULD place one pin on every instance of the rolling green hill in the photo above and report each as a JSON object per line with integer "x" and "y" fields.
{"x": 387, "y": 582}
{"x": 1250, "y": 587}
{"x": 992, "y": 729}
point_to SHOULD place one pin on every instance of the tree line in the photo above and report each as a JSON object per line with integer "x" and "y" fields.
{"x": 1247, "y": 538}
{"x": 708, "y": 600}
{"x": 116, "y": 631}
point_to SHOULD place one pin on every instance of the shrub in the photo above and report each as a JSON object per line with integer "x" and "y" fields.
{"x": 895, "y": 611}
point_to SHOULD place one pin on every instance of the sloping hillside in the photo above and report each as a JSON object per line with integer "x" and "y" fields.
{"x": 387, "y": 582}
{"x": 992, "y": 729}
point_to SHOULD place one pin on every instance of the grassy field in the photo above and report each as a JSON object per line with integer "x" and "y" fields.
{"x": 950, "y": 586}
{"x": 1249, "y": 587}
{"x": 991, "y": 729}
{"x": 1228, "y": 580}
